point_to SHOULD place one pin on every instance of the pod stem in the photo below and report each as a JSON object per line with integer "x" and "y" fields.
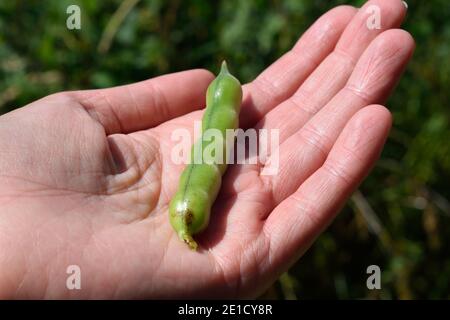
{"x": 187, "y": 238}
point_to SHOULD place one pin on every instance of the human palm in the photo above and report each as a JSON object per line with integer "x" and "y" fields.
{"x": 87, "y": 176}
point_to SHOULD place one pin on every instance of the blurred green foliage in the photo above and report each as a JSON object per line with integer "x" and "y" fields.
{"x": 407, "y": 232}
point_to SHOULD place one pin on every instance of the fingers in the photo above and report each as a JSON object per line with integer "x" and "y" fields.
{"x": 358, "y": 34}
{"x": 334, "y": 71}
{"x": 284, "y": 76}
{"x": 148, "y": 103}
{"x": 299, "y": 219}
{"x": 375, "y": 74}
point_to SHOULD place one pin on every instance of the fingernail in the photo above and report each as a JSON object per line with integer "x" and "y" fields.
{"x": 405, "y": 4}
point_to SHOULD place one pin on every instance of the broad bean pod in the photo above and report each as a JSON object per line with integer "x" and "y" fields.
{"x": 200, "y": 181}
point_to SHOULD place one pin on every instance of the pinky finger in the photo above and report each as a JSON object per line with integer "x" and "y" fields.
{"x": 297, "y": 221}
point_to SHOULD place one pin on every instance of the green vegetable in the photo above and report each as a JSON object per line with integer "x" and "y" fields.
{"x": 200, "y": 181}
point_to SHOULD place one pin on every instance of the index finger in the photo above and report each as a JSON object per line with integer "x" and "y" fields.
{"x": 281, "y": 79}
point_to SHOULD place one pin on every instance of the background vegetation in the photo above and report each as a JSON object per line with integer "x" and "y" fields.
{"x": 400, "y": 217}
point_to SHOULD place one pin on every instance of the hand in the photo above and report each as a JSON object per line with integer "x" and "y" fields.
{"x": 86, "y": 176}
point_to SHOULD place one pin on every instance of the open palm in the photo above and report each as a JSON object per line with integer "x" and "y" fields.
{"x": 86, "y": 176}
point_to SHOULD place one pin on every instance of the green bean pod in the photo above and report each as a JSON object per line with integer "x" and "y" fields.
{"x": 200, "y": 182}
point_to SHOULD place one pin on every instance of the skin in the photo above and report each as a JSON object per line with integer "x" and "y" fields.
{"x": 200, "y": 181}
{"x": 85, "y": 177}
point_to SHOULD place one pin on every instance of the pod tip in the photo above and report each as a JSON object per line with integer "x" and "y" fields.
{"x": 224, "y": 67}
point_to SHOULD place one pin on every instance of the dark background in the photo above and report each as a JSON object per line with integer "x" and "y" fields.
{"x": 399, "y": 218}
